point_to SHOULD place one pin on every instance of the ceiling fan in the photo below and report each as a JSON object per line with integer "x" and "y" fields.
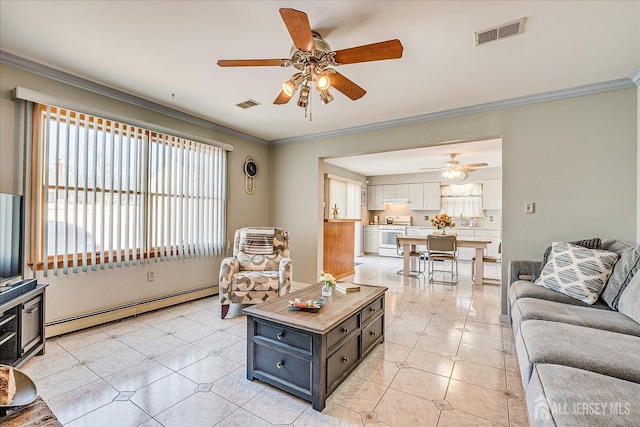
{"x": 454, "y": 170}
{"x": 313, "y": 57}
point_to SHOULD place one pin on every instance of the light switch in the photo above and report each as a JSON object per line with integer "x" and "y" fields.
{"x": 529, "y": 208}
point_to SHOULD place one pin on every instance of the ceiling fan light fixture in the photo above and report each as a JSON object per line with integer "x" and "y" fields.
{"x": 323, "y": 82}
{"x": 325, "y": 97}
{"x": 303, "y": 100}
{"x": 291, "y": 86}
{"x": 453, "y": 174}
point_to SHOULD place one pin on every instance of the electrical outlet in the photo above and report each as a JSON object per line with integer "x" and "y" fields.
{"x": 529, "y": 208}
{"x": 150, "y": 276}
{"x": 491, "y": 218}
{"x": 426, "y": 217}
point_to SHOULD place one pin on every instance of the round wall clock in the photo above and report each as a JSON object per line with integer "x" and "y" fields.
{"x": 250, "y": 172}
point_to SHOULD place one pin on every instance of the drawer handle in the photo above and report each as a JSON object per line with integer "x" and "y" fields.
{"x": 373, "y": 310}
{"x": 345, "y": 359}
{"x": 280, "y": 335}
{"x": 345, "y": 330}
{"x": 373, "y": 333}
{"x": 280, "y": 365}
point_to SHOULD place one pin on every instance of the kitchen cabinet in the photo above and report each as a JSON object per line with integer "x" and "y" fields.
{"x": 371, "y": 239}
{"x": 465, "y": 254}
{"x": 424, "y": 196}
{"x": 431, "y": 196}
{"x": 375, "y": 194}
{"x": 396, "y": 191}
{"x": 494, "y": 235}
{"x": 492, "y": 194}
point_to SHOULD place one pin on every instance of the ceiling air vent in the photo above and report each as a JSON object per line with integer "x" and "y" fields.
{"x": 500, "y": 32}
{"x": 248, "y": 104}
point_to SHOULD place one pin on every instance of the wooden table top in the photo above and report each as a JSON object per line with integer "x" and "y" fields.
{"x": 336, "y": 307}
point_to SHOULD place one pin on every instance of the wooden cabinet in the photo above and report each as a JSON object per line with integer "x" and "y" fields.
{"x": 424, "y": 196}
{"x": 339, "y": 247}
{"x": 371, "y": 239}
{"x": 492, "y": 194}
{"x": 310, "y": 354}
{"x": 22, "y": 327}
{"x": 375, "y": 195}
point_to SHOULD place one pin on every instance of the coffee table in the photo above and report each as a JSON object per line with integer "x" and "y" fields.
{"x": 309, "y": 353}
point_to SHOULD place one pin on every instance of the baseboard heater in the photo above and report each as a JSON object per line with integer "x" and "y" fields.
{"x": 87, "y": 320}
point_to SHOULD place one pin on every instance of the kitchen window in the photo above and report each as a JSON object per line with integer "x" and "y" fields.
{"x": 111, "y": 194}
{"x": 462, "y": 200}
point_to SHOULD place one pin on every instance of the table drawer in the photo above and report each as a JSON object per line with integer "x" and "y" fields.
{"x": 339, "y": 364}
{"x": 342, "y": 330}
{"x": 283, "y": 335}
{"x": 371, "y": 310}
{"x": 372, "y": 333}
{"x": 283, "y": 365}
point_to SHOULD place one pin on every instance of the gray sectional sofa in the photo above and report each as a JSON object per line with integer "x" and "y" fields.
{"x": 580, "y": 363}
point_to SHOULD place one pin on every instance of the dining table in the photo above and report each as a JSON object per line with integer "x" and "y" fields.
{"x": 478, "y": 243}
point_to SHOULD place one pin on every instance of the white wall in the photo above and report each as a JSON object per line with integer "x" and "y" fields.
{"x": 575, "y": 158}
{"x": 75, "y": 294}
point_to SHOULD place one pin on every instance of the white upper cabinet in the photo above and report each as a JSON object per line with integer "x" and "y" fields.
{"x": 431, "y": 196}
{"x": 424, "y": 196}
{"x": 396, "y": 191}
{"x": 492, "y": 194}
{"x": 375, "y": 194}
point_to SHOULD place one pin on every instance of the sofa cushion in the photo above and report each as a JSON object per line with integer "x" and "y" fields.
{"x": 604, "y": 352}
{"x": 576, "y": 271}
{"x": 563, "y": 396}
{"x": 629, "y": 303}
{"x": 537, "y": 309}
{"x": 626, "y": 267}
{"x": 594, "y": 243}
{"x": 525, "y": 289}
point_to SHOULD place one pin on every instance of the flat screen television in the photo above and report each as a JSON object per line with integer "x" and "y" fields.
{"x": 11, "y": 220}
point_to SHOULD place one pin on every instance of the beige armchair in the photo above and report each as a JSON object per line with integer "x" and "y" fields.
{"x": 259, "y": 269}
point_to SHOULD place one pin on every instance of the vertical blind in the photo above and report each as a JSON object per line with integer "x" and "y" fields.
{"x": 111, "y": 194}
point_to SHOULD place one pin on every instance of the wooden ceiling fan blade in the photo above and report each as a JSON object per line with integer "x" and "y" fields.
{"x": 390, "y": 49}
{"x": 283, "y": 98}
{"x": 298, "y": 26}
{"x": 254, "y": 62}
{"x": 476, "y": 165}
{"x": 346, "y": 86}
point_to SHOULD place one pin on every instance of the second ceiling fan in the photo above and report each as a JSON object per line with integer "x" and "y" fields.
{"x": 454, "y": 170}
{"x": 313, "y": 57}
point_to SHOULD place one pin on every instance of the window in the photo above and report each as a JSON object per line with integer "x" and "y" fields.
{"x": 108, "y": 193}
{"x": 462, "y": 200}
{"x": 346, "y": 196}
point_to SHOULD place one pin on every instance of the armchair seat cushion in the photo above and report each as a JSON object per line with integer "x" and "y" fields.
{"x": 256, "y": 281}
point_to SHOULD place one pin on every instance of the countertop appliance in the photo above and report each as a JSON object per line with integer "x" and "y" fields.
{"x": 390, "y": 227}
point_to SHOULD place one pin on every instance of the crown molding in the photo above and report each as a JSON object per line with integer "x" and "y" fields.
{"x": 635, "y": 77}
{"x": 591, "y": 89}
{"x": 63, "y": 77}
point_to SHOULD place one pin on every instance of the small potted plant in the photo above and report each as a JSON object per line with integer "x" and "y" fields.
{"x": 442, "y": 221}
{"x": 328, "y": 281}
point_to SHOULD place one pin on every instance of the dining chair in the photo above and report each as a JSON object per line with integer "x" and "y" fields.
{"x": 488, "y": 259}
{"x": 413, "y": 254}
{"x": 443, "y": 248}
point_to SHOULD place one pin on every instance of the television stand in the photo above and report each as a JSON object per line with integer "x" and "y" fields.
{"x": 22, "y": 322}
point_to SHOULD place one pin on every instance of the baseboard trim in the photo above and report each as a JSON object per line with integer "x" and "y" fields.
{"x": 76, "y": 323}
{"x": 504, "y": 318}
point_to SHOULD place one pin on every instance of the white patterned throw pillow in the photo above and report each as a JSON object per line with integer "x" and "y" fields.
{"x": 578, "y": 272}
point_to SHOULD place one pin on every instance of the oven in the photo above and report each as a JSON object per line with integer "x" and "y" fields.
{"x": 387, "y": 245}
{"x": 389, "y": 229}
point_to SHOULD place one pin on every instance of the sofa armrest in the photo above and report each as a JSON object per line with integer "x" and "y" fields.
{"x": 284, "y": 273}
{"x": 228, "y": 267}
{"x": 524, "y": 270}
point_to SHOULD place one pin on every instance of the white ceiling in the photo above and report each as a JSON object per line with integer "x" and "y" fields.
{"x": 411, "y": 161}
{"x": 154, "y": 49}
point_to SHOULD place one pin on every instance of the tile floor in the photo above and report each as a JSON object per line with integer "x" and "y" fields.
{"x": 446, "y": 361}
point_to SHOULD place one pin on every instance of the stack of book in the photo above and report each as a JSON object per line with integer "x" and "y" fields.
{"x": 347, "y": 287}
